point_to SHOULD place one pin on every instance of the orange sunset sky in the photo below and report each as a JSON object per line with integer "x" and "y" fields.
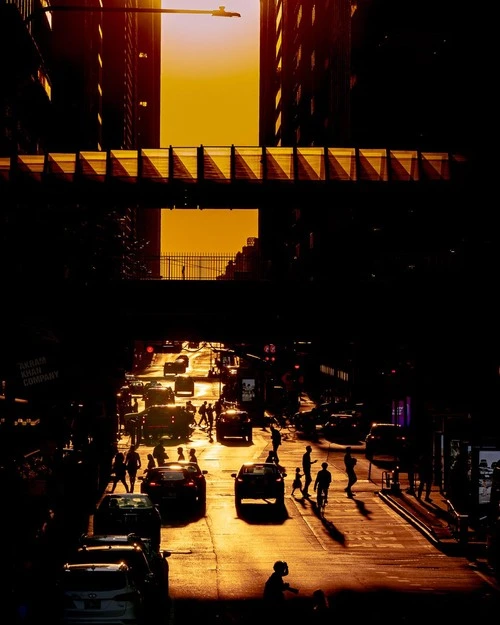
{"x": 210, "y": 91}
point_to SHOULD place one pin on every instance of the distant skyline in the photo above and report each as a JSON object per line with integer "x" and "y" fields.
{"x": 210, "y": 96}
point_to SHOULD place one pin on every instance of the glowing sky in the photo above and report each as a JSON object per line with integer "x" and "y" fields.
{"x": 210, "y": 70}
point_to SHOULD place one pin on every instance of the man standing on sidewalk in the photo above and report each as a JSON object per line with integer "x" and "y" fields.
{"x": 306, "y": 469}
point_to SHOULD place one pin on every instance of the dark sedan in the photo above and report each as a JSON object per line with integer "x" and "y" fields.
{"x": 234, "y": 423}
{"x": 259, "y": 481}
{"x": 177, "y": 487}
{"x": 386, "y": 442}
{"x": 342, "y": 427}
{"x": 126, "y": 513}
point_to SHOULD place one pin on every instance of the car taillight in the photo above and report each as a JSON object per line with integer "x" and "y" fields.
{"x": 190, "y": 483}
{"x": 154, "y": 483}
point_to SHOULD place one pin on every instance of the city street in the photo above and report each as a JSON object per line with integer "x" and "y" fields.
{"x": 363, "y": 554}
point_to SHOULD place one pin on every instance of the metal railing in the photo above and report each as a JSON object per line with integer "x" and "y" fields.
{"x": 193, "y": 266}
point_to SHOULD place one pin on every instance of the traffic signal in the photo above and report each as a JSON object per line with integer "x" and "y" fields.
{"x": 270, "y": 352}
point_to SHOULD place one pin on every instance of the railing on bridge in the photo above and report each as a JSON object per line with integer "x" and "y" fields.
{"x": 232, "y": 164}
{"x": 192, "y": 266}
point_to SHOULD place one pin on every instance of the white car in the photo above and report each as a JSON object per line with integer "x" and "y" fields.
{"x": 100, "y": 593}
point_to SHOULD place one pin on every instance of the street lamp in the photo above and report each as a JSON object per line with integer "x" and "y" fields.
{"x": 220, "y": 12}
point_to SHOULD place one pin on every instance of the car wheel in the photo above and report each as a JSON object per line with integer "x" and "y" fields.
{"x": 280, "y": 501}
{"x": 237, "y": 503}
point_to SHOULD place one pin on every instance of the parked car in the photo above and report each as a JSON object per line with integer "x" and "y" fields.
{"x": 100, "y": 593}
{"x": 177, "y": 487}
{"x": 234, "y": 423}
{"x": 345, "y": 427}
{"x": 386, "y": 441}
{"x": 259, "y": 481}
{"x": 127, "y": 513}
{"x": 149, "y": 566}
{"x": 310, "y": 422}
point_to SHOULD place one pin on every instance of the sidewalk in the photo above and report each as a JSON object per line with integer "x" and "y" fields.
{"x": 436, "y": 521}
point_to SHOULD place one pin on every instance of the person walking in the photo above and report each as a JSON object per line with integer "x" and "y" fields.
{"x": 210, "y": 419}
{"x": 151, "y": 464}
{"x": 191, "y": 408}
{"x": 132, "y": 464}
{"x": 424, "y": 467}
{"x": 160, "y": 454}
{"x": 297, "y": 481}
{"x": 349, "y": 463}
{"x": 275, "y": 440}
{"x": 306, "y": 468}
{"x": 217, "y": 409}
{"x": 202, "y": 411}
{"x": 322, "y": 482}
{"x": 119, "y": 471}
{"x": 192, "y": 455}
{"x": 180, "y": 453}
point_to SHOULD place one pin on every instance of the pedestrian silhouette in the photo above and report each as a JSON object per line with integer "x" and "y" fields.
{"x": 160, "y": 454}
{"x": 349, "y": 463}
{"x": 323, "y": 481}
{"x": 180, "y": 454}
{"x": 210, "y": 418}
{"x": 119, "y": 471}
{"x": 132, "y": 464}
{"x": 297, "y": 481}
{"x": 271, "y": 457}
{"x": 192, "y": 455}
{"x": 275, "y": 440}
{"x": 425, "y": 476}
{"x": 321, "y": 613}
{"x": 151, "y": 464}
{"x": 306, "y": 468}
{"x": 135, "y": 406}
{"x": 275, "y": 587}
{"x": 191, "y": 408}
{"x": 202, "y": 410}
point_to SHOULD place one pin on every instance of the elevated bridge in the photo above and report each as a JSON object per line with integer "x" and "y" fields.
{"x": 224, "y": 177}
{"x": 220, "y": 177}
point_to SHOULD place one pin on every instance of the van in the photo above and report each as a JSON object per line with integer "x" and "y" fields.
{"x": 159, "y": 396}
{"x": 184, "y": 385}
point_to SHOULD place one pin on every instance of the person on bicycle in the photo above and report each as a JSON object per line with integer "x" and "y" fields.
{"x": 322, "y": 483}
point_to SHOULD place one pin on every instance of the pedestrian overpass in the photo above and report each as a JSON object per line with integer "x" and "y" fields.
{"x": 224, "y": 177}
{"x": 219, "y": 177}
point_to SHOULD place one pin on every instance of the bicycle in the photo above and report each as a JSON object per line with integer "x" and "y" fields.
{"x": 321, "y": 501}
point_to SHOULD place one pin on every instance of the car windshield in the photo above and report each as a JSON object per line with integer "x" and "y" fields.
{"x": 128, "y": 502}
{"x": 170, "y": 476}
{"x": 258, "y": 469}
{"x": 97, "y": 581}
{"x": 135, "y": 559}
